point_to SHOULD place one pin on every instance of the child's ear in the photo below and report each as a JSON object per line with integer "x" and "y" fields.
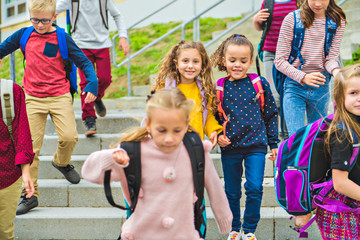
{"x": 147, "y": 124}
{"x": 251, "y": 61}
{"x": 55, "y": 15}
{"x": 223, "y": 61}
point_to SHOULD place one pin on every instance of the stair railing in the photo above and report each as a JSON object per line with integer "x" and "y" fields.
{"x": 180, "y": 26}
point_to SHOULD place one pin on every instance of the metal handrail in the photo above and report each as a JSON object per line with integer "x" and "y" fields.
{"x": 128, "y": 57}
{"x": 182, "y": 26}
{"x": 231, "y": 28}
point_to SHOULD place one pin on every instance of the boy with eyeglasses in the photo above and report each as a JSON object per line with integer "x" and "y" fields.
{"x": 47, "y": 91}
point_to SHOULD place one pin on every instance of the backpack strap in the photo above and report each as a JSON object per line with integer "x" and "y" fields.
{"x": 256, "y": 82}
{"x": 220, "y": 96}
{"x": 132, "y": 173}
{"x": 103, "y": 12}
{"x": 298, "y": 39}
{"x": 25, "y": 37}
{"x": 70, "y": 68}
{"x": 331, "y": 28}
{"x": 194, "y": 146}
{"x": 7, "y": 104}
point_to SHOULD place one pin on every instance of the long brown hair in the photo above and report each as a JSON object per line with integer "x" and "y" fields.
{"x": 169, "y": 71}
{"x": 342, "y": 115}
{"x": 219, "y": 54}
{"x": 334, "y": 12}
{"x": 167, "y": 99}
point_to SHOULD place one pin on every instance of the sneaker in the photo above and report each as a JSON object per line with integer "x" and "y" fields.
{"x": 234, "y": 236}
{"x": 248, "y": 236}
{"x": 26, "y": 204}
{"x": 69, "y": 173}
{"x": 100, "y": 108}
{"x": 90, "y": 125}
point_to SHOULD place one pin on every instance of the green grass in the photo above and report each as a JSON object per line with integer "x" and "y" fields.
{"x": 355, "y": 58}
{"x": 144, "y": 64}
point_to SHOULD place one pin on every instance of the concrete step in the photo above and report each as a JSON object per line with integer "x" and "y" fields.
{"x": 115, "y": 121}
{"x": 61, "y": 193}
{"x": 105, "y": 223}
{"x": 47, "y": 171}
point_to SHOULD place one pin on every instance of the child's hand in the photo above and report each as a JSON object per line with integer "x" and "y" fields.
{"x": 261, "y": 16}
{"x": 124, "y": 45}
{"x": 27, "y": 181}
{"x": 90, "y": 97}
{"x": 334, "y": 72}
{"x": 273, "y": 154}
{"x": 121, "y": 157}
{"x": 314, "y": 79}
{"x": 223, "y": 141}
{"x": 213, "y": 138}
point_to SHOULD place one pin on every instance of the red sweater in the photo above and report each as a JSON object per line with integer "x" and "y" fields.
{"x": 12, "y": 157}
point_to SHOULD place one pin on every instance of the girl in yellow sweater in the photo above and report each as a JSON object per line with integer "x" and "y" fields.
{"x": 187, "y": 67}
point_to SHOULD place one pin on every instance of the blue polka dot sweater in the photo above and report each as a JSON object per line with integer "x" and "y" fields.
{"x": 247, "y": 129}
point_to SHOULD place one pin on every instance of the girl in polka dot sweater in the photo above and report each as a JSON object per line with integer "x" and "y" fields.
{"x": 247, "y": 133}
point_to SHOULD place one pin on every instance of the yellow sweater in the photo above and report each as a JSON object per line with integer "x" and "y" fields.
{"x": 192, "y": 91}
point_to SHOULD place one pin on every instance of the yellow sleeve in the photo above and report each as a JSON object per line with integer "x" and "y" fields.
{"x": 211, "y": 124}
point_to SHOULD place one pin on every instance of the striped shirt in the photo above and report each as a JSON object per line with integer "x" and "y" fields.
{"x": 281, "y": 9}
{"x": 312, "y": 49}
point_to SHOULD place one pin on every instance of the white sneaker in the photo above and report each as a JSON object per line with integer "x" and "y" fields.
{"x": 234, "y": 236}
{"x": 249, "y": 236}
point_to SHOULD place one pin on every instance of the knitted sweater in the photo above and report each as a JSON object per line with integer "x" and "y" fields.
{"x": 312, "y": 49}
{"x": 164, "y": 209}
{"x": 248, "y": 130}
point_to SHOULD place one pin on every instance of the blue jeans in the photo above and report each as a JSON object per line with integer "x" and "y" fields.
{"x": 254, "y": 173}
{"x": 300, "y": 99}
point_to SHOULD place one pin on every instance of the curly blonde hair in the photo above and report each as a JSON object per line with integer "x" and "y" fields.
{"x": 169, "y": 71}
{"x": 217, "y": 57}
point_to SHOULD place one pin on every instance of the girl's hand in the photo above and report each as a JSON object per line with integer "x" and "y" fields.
{"x": 335, "y": 71}
{"x": 273, "y": 154}
{"x": 314, "y": 79}
{"x": 27, "y": 181}
{"x": 121, "y": 157}
{"x": 124, "y": 45}
{"x": 213, "y": 138}
{"x": 90, "y": 97}
{"x": 223, "y": 141}
{"x": 261, "y": 17}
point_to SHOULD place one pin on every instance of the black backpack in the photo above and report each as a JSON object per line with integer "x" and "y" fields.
{"x": 195, "y": 149}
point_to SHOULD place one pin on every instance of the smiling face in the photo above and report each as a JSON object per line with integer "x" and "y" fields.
{"x": 189, "y": 65}
{"x": 43, "y": 15}
{"x": 237, "y": 61}
{"x": 318, "y": 7}
{"x": 167, "y": 128}
{"x": 352, "y": 96}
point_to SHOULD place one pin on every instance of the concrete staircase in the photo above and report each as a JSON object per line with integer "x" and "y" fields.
{"x": 81, "y": 211}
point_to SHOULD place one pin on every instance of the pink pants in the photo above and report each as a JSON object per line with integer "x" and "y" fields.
{"x": 100, "y": 58}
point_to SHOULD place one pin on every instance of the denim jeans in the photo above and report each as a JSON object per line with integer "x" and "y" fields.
{"x": 299, "y": 99}
{"x": 254, "y": 173}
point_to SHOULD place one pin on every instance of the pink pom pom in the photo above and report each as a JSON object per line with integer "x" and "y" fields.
{"x": 168, "y": 222}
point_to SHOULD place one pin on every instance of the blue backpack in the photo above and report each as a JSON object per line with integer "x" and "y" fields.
{"x": 70, "y": 68}
{"x": 301, "y": 175}
{"x": 299, "y": 33}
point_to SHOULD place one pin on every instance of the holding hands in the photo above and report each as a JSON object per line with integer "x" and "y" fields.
{"x": 121, "y": 157}
{"x": 223, "y": 141}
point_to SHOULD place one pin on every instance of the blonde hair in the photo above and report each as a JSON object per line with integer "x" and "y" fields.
{"x": 42, "y": 6}
{"x": 235, "y": 39}
{"x": 166, "y": 99}
{"x": 168, "y": 70}
{"x": 342, "y": 115}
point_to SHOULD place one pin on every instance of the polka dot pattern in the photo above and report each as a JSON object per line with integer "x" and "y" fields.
{"x": 247, "y": 127}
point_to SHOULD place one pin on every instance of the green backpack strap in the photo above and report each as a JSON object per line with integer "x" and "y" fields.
{"x": 7, "y": 104}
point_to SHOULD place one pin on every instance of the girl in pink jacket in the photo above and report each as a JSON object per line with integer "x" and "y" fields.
{"x": 165, "y": 208}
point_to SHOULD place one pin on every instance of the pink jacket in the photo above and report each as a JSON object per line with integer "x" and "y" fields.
{"x": 164, "y": 209}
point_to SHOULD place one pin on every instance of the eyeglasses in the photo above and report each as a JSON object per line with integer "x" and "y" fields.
{"x": 43, "y": 21}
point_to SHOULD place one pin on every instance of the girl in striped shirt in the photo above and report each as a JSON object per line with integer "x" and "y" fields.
{"x": 306, "y": 87}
